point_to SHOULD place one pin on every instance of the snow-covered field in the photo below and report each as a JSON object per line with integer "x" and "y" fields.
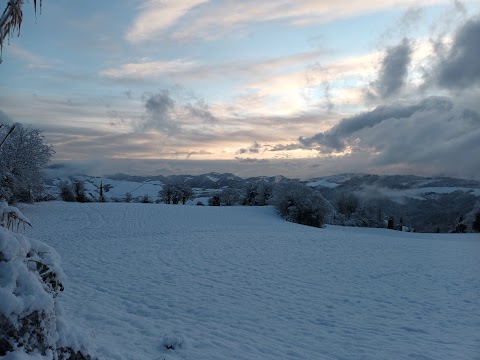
{"x": 241, "y": 283}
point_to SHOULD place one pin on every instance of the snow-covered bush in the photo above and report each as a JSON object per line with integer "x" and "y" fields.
{"x": 128, "y": 197}
{"x": 78, "y": 187}
{"x": 471, "y": 220}
{"x": 31, "y": 320}
{"x": 257, "y": 193}
{"x": 66, "y": 191}
{"x": 214, "y": 200}
{"x": 145, "y": 199}
{"x": 366, "y": 216}
{"x": 300, "y": 204}
{"x": 173, "y": 340}
{"x": 229, "y": 197}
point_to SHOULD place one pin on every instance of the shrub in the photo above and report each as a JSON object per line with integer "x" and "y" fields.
{"x": 300, "y": 204}
{"x": 146, "y": 199}
{"x": 128, "y": 197}
{"x": 214, "y": 200}
{"x": 30, "y": 313}
{"x": 66, "y": 191}
{"x": 79, "y": 191}
{"x": 229, "y": 197}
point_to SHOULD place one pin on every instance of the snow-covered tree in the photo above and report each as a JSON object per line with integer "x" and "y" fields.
{"x": 145, "y": 199}
{"x": 173, "y": 193}
{"x": 472, "y": 219}
{"x": 214, "y": 200}
{"x": 264, "y": 193}
{"x": 23, "y": 156}
{"x": 257, "y": 193}
{"x": 79, "y": 190}
{"x": 229, "y": 197}
{"x": 128, "y": 197}
{"x": 250, "y": 194}
{"x": 66, "y": 191}
{"x": 300, "y": 204}
{"x": 347, "y": 204}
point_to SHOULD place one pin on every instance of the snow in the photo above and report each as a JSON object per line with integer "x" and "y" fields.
{"x": 212, "y": 178}
{"x": 241, "y": 283}
{"x": 116, "y": 188}
{"x": 324, "y": 183}
{"x": 30, "y": 278}
{"x": 7, "y": 211}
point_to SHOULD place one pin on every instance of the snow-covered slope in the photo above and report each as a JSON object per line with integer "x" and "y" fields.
{"x": 113, "y": 189}
{"x": 391, "y": 187}
{"x": 240, "y": 283}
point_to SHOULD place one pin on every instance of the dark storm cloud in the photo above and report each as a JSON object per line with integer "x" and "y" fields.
{"x": 459, "y": 67}
{"x": 287, "y": 147}
{"x": 393, "y": 71}
{"x": 336, "y": 137}
{"x": 437, "y": 135}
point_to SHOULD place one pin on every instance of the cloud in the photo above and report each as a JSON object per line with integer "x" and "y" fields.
{"x": 404, "y": 26}
{"x": 393, "y": 71}
{"x": 158, "y": 15}
{"x": 215, "y": 19}
{"x": 168, "y": 113}
{"x": 336, "y": 137}
{"x": 249, "y": 160}
{"x": 160, "y": 114}
{"x": 147, "y": 70}
{"x": 459, "y": 67}
{"x": 438, "y": 135}
{"x": 287, "y": 147}
{"x": 5, "y": 119}
{"x": 253, "y": 149}
{"x": 189, "y": 69}
{"x": 33, "y": 61}
{"x": 201, "y": 110}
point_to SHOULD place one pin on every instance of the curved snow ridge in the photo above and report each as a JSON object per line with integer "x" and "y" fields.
{"x": 185, "y": 282}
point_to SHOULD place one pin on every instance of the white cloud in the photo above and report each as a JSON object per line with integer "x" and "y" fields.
{"x": 158, "y": 15}
{"x": 141, "y": 71}
{"x": 33, "y": 61}
{"x": 217, "y": 20}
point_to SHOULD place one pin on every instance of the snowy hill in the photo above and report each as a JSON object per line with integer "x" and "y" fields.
{"x": 113, "y": 189}
{"x": 239, "y": 282}
{"x": 393, "y": 187}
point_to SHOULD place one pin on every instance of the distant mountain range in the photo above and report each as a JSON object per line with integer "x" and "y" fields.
{"x": 117, "y": 185}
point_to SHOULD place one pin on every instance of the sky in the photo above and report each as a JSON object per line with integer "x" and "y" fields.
{"x": 300, "y": 88}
